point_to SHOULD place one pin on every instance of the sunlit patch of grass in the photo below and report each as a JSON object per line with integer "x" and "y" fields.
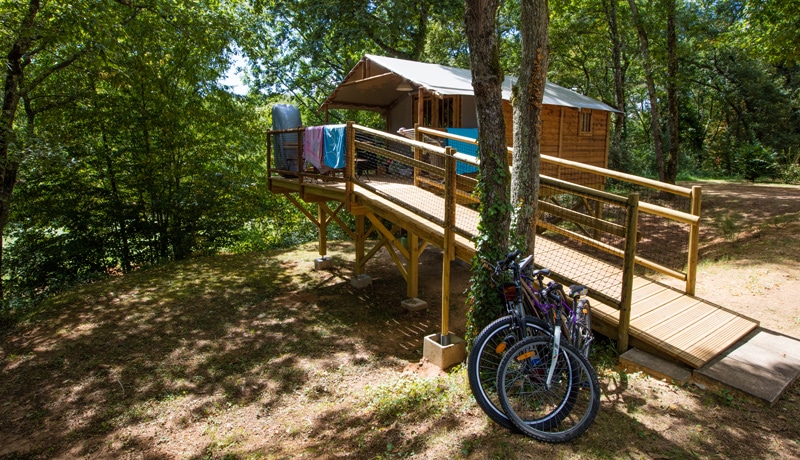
{"x": 410, "y": 396}
{"x": 729, "y": 224}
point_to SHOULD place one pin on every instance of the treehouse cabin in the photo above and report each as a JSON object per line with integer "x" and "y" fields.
{"x": 574, "y": 127}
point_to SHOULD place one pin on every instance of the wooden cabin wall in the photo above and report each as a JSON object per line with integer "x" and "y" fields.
{"x": 561, "y": 138}
{"x": 469, "y": 113}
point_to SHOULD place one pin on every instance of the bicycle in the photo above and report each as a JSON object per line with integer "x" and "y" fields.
{"x": 548, "y": 389}
{"x": 490, "y": 344}
{"x": 578, "y": 318}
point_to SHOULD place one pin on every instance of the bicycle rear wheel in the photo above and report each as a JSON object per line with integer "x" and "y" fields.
{"x": 484, "y": 359}
{"x": 556, "y": 413}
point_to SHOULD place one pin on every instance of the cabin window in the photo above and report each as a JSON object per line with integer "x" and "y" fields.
{"x": 439, "y": 112}
{"x": 585, "y": 117}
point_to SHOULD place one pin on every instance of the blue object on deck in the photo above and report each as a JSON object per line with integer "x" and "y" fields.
{"x": 334, "y": 146}
{"x": 465, "y": 148}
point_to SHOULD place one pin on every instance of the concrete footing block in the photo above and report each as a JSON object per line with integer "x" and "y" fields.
{"x": 361, "y": 281}
{"x": 323, "y": 263}
{"x": 444, "y": 356}
{"x": 414, "y": 304}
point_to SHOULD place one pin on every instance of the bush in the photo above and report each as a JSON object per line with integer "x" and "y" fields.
{"x": 754, "y": 161}
{"x": 789, "y": 167}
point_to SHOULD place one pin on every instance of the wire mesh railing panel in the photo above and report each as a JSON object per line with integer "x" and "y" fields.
{"x": 663, "y": 240}
{"x": 284, "y": 155}
{"x": 582, "y": 239}
{"x": 312, "y": 154}
{"x": 406, "y": 173}
{"x": 465, "y": 153}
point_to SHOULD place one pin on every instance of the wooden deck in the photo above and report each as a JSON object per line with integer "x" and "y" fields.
{"x": 664, "y": 320}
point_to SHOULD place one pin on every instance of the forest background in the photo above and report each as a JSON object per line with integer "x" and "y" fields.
{"x": 121, "y": 149}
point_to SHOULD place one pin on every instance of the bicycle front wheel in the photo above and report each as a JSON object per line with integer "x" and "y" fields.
{"x": 558, "y": 412}
{"x": 484, "y": 359}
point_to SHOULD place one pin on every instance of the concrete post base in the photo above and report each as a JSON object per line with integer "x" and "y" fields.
{"x": 444, "y": 356}
{"x": 323, "y": 263}
{"x": 361, "y": 281}
{"x": 414, "y": 304}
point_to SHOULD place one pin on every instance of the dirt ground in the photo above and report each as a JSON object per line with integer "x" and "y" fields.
{"x": 259, "y": 356}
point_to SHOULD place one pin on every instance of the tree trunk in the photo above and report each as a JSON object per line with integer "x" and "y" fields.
{"x": 493, "y": 180}
{"x": 619, "y": 74}
{"x": 671, "y": 173}
{"x": 12, "y": 94}
{"x": 487, "y": 79}
{"x": 655, "y": 124}
{"x": 528, "y": 95}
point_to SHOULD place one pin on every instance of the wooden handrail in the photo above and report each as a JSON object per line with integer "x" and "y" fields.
{"x": 691, "y": 218}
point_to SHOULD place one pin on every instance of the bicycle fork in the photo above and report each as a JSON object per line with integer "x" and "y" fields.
{"x": 554, "y": 358}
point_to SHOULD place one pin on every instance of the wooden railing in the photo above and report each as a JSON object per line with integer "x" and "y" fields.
{"x": 434, "y": 169}
{"x": 691, "y": 218}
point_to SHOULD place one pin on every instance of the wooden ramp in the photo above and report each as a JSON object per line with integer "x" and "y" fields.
{"x": 664, "y": 320}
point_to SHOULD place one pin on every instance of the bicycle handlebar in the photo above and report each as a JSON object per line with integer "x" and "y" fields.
{"x": 510, "y": 257}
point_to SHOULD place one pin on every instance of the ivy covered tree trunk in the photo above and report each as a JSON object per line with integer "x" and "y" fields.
{"x": 493, "y": 181}
{"x": 528, "y": 95}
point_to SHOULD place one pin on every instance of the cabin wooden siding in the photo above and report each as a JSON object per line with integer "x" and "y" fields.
{"x": 561, "y": 138}
{"x": 561, "y": 135}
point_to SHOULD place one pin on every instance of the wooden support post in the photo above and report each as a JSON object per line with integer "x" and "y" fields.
{"x": 412, "y": 286}
{"x": 349, "y": 170}
{"x": 393, "y": 246}
{"x": 360, "y": 240}
{"x": 323, "y": 229}
{"x": 448, "y": 246}
{"x": 420, "y": 106}
{"x": 560, "y": 141}
{"x": 694, "y": 241}
{"x": 628, "y": 267}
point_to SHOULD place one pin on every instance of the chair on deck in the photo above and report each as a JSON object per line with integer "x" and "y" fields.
{"x": 365, "y": 162}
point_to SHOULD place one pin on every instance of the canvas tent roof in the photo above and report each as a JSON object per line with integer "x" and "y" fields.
{"x": 372, "y": 84}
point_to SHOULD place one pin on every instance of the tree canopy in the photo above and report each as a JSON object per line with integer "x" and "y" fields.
{"x": 120, "y": 148}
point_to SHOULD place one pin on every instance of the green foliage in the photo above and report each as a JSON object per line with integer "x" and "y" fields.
{"x": 412, "y": 396}
{"x": 302, "y": 49}
{"x": 131, "y": 154}
{"x": 754, "y": 161}
{"x": 789, "y": 166}
{"x": 146, "y": 160}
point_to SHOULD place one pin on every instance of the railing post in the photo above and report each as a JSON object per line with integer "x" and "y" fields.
{"x": 417, "y": 153}
{"x": 448, "y": 244}
{"x": 694, "y": 241}
{"x": 628, "y": 267}
{"x": 300, "y": 132}
{"x": 349, "y": 168}
{"x": 269, "y": 161}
